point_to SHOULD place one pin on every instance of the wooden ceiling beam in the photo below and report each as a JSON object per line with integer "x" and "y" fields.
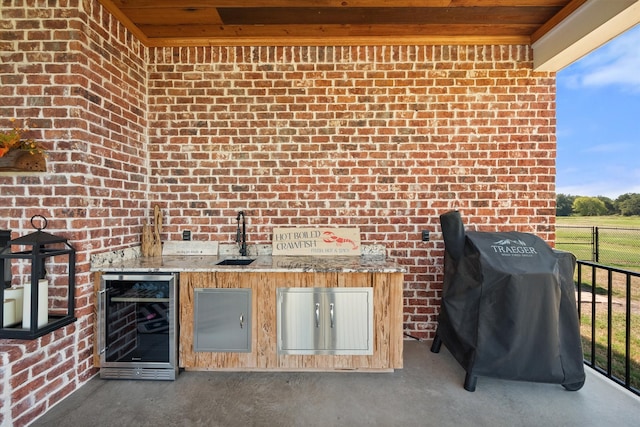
{"x": 291, "y": 32}
{"x": 152, "y": 4}
{"x": 214, "y": 31}
{"x": 158, "y": 16}
{"x": 426, "y": 40}
{"x": 387, "y": 15}
{"x": 310, "y": 16}
{"x": 339, "y": 22}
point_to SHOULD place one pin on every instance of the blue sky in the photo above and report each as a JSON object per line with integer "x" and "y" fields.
{"x": 598, "y": 121}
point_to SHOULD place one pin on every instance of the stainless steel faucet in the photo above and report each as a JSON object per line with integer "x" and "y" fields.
{"x": 241, "y": 236}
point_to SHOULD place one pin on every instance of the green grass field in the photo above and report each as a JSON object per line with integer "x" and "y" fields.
{"x": 619, "y": 239}
{"x": 600, "y": 221}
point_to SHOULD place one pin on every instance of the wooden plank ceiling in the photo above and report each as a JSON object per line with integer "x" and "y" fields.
{"x": 339, "y": 22}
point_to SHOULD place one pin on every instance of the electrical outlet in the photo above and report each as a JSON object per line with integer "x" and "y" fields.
{"x": 186, "y": 235}
{"x": 425, "y": 235}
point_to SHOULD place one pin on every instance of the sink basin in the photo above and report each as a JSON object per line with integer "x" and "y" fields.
{"x": 236, "y": 261}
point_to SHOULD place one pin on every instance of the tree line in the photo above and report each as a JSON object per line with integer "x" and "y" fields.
{"x": 627, "y": 204}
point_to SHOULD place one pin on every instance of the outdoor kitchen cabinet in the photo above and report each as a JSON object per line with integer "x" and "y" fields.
{"x": 375, "y": 326}
{"x": 222, "y": 320}
{"x": 204, "y": 345}
{"x": 325, "y": 320}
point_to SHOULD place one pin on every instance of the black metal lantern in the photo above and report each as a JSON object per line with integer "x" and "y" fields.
{"x": 40, "y": 302}
{"x": 5, "y": 236}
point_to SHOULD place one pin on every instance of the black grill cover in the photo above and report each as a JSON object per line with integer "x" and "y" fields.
{"x": 508, "y": 306}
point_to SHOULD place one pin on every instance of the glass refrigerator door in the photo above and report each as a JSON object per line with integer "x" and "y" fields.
{"x": 137, "y": 321}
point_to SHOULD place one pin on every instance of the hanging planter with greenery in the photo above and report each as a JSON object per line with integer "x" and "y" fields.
{"x": 20, "y": 153}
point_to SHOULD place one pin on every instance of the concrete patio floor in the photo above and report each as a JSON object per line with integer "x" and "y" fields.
{"x": 427, "y": 392}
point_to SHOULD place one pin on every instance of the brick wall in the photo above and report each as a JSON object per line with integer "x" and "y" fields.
{"x": 79, "y": 80}
{"x": 383, "y": 138}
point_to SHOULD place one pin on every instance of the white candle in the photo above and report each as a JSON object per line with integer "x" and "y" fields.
{"x": 9, "y": 317}
{"x": 43, "y": 304}
{"x": 17, "y": 295}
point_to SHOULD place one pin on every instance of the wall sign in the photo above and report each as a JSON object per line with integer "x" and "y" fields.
{"x": 316, "y": 241}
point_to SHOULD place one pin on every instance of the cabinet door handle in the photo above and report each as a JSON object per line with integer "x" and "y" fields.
{"x": 241, "y": 320}
{"x": 102, "y": 297}
{"x": 331, "y": 313}
{"x": 317, "y": 315}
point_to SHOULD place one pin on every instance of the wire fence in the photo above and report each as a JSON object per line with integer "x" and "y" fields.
{"x": 604, "y": 245}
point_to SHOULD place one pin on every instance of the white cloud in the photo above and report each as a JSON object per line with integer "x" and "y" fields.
{"x": 594, "y": 189}
{"x": 610, "y": 181}
{"x": 609, "y": 148}
{"x": 617, "y": 63}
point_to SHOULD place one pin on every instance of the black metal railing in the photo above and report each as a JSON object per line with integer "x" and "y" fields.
{"x": 606, "y": 299}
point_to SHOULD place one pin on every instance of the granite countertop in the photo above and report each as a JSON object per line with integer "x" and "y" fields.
{"x": 311, "y": 264}
{"x": 131, "y": 261}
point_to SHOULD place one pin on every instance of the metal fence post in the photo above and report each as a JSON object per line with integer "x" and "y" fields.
{"x": 596, "y": 245}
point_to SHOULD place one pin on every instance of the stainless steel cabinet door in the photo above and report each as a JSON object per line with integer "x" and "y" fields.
{"x": 325, "y": 320}
{"x": 299, "y": 323}
{"x": 222, "y": 320}
{"x": 350, "y": 321}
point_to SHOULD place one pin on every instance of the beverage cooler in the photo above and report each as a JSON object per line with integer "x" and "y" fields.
{"x": 137, "y": 326}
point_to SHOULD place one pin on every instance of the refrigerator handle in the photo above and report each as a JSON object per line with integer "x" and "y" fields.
{"x": 102, "y": 302}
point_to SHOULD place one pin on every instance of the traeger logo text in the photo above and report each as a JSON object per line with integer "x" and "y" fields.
{"x": 508, "y": 247}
